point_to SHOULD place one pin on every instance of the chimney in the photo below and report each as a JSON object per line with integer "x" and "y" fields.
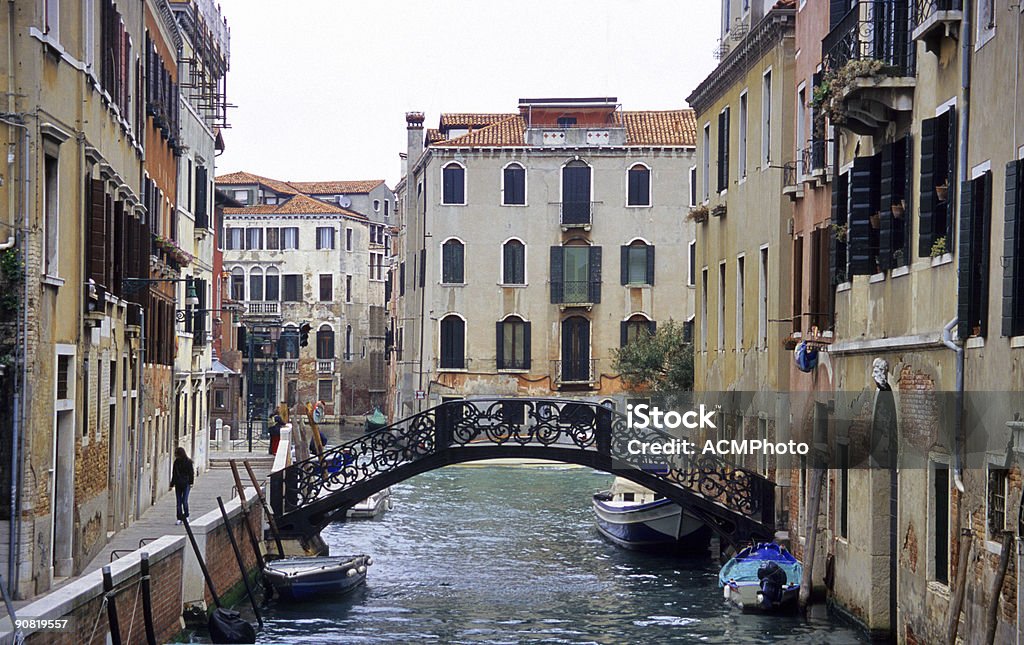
{"x": 414, "y": 130}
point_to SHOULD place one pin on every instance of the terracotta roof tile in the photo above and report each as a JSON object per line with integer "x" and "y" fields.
{"x": 434, "y": 135}
{"x": 335, "y": 187}
{"x": 468, "y": 119}
{"x": 666, "y": 127}
{"x": 509, "y": 131}
{"x": 249, "y": 178}
{"x": 296, "y": 205}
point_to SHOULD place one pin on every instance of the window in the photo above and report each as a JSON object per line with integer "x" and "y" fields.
{"x": 693, "y": 185}
{"x": 631, "y": 329}
{"x": 51, "y": 216}
{"x": 256, "y": 283}
{"x": 740, "y": 286}
{"x": 996, "y": 509}
{"x": 63, "y": 376}
{"x": 975, "y": 223}
{"x": 272, "y": 285}
{"x": 254, "y": 238}
{"x": 762, "y": 300}
{"x": 801, "y": 131}
{"x": 401, "y": 278}
{"x": 348, "y": 239}
{"x": 325, "y": 343}
{"x": 940, "y": 522}
{"x": 576, "y": 364}
{"x": 325, "y": 237}
{"x": 766, "y": 120}
{"x": 51, "y": 18}
{"x": 706, "y": 163}
{"x": 688, "y": 330}
{"x": 453, "y": 342}
{"x": 326, "y": 287}
{"x": 376, "y": 266}
{"x": 639, "y": 186}
{"x": 293, "y": 288}
{"x": 894, "y": 238}
{"x": 576, "y": 274}
{"x": 576, "y": 193}
{"x": 566, "y": 121}
{"x": 376, "y": 205}
{"x": 219, "y": 399}
{"x": 721, "y": 306}
{"x": 723, "y": 150}
{"x": 513, "y": 262}
{"x": 235, "y": 239}
{"x": 273, "y": 238}
{"x": 289, "y": 238}
{"x": 637, "y": 263}
{"x": 348, "y": 342}
{"x": 986, "y": 25}
{"x": 453, "y": 191}
{"x": 938, "y": 168}
{"x": 513, "y": 185}
{"x": 1013, "y": 249}
{"x": 742, "y": 152}
{"x": 241, "y": 196}
{"x": 238, "y": 284}
{"x": 325, "y": 390}
{"x": 704, "y": 309}
{"x": 691, "y": 270}
{"x": 452, "y": 270}
{"x": 513, "y": 344}
{"x": 387, "y": 208}
{"x": 348, "y": 288}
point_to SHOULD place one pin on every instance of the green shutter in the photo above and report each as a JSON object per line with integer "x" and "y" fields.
{"x": 624, "y": 264}
{"x": 623, "y": 333}
{"x": 1013, "y": 321}
{"x": 862, "y": 261}
{"x": 963, "y": 311}
{"x": 526, "y": 346}
{"x": 499, "y": 345}
{"x": 951, "y": 146}
{"x": 557, "y": 273}
{"x": 650, "y": 265}
{"x": 926, "y": 218}
{"x": 886, "y": 186}
{"x": 594, "y": 285}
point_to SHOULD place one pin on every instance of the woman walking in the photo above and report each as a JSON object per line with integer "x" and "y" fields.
{"x": 183, "y": 475}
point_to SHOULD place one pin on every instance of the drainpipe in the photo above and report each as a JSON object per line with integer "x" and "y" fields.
{"x": 140, "y": 417}
{"x": 947, "y": 340}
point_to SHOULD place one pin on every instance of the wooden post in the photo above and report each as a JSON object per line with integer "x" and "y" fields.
{"x": 992, "y": 615}
{"x": 266, "y": 509}
{"x": 147, "y": 600}
{"x": 957, "y": 601}
{"x": 241, "y": 562}
{"x": 813, "y": 504}
{"x": 202, "y": 563}
{"x": 253, "y": 540}
{"x": 108, "y": 592}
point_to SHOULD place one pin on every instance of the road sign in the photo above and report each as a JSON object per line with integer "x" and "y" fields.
{"x": 421, "y": 394}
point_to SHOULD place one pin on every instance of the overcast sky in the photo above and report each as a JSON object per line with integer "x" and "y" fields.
{"x": 322, "y": 86}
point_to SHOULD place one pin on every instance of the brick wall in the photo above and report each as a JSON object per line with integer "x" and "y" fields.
{"x": 220, "y": 559}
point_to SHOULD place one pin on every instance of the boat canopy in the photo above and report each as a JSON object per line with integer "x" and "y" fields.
{"x": 744, "y": 565}
{"x": 623, "y": 485}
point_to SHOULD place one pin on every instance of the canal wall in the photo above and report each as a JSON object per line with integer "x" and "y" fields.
{"x": 176, "y": 583}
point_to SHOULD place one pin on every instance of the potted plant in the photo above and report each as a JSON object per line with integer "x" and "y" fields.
{"x": 898, "y": 208}
{"x": 698, "y": 214}
{"x": 876, "y": 220}
{"x": 942, "y": 191}
{"x": 939, "y": 247}
{"x": 841, "y": 231}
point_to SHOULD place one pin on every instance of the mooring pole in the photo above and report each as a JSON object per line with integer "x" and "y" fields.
{"x": 147, "y": 600}
{"x": 266, "y": 508}
{"x": 202, "y": 563}
{"x": 108, "y": 593}
{"x": 253, "y": 540}
{"x": 241, "y": 562}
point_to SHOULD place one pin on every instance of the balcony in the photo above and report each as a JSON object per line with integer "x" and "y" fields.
{"x": 576, "y": 135}
{"x": 576, "y": 214}
{"x": 870, "y": 65}
{"x": 263, "y": 308}
{"x": 290, "y": 366}
{"x": 579, "y": 372}
{"x": 579, "y": 293}
{"x": 935, "y": 20}
{"x": 812, "y": 166}
{"x": 325, "y": 366}
{"x": 791, "y": 185}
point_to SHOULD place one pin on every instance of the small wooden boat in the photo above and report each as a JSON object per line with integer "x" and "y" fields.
{"x": 634, "y": 517}
{"x": 372, "y": 506}
{"x": 300, "y": 578}
{"x": 765, "y": 577}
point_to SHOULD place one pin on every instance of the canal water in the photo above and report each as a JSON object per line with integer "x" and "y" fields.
{"x": 510, "y": 555}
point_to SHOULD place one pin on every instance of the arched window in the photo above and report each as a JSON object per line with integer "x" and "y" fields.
{"x": 453, "y": 191}
{"x": 639, "y": 186}
{"x": 632, "y": 328}
{"x": 452, "y": 262}
{"x": 238, "y": 284}
{"x": 576, "y": 364}
{"x": 288, "y": 342}
{"x": 575, "y": 193}
{"x": 255, "y": 284}
{"x": 637, "y": 263}
{"x": 325, "y": 342}
{"x": 513, "y": 262}
{"x": 453, "y": 342}
{"x": 272, "y": 288}
{"x": 513, "y": 344}
{"x": 348, "y": 342}
{"x": 513, "y": 185}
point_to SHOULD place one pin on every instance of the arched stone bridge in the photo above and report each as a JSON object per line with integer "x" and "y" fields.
{"x": 738, "y": 504}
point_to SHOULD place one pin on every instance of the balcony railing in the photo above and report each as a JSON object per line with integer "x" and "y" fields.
{"x": 579, "y": 292}
{"x": 812, "y": 158}
{"x": 931, "y": 20}
{"x": 263, "y": 308}
{"x": 290, "y": 366}
{"x": 871, "y": 30}
{"x": 572, "y": 214}
{"x": 574, "y": 372}
{"x": 325, "y": 366}
{"x": 923, "y": 10}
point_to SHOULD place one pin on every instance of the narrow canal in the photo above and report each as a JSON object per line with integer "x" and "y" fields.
{"x": 511, "y": 555}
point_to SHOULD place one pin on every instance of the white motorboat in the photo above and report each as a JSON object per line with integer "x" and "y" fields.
{"x": 635, "y": 517}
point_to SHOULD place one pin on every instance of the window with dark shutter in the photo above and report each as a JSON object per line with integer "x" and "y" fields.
{"x": 452, "y": 267}
{"x": 325, "y": 343}
{"x": 97, "y": 233}
{"x": 938, "y": 158}
{"x": 637, "y": 325}
{"x": 292, "y": 288}
{"x": 637, "y": 264}
{"x": 840, "y": 232}
{"x": 595, "y": 274}
{"x": 453, "y": 343}
{"x": 972, "y": 279}
{"x": 639, "y": 186}
{"x": 864, "y": 215}
{"x": 575, "y": 193}
{"x": 892, "y": 247}
{"x": 513, "y": 262}
{"x": 557, "y": 274}
{"x": 326, "y": 287}
{"x": 454, "y": 187}
{"x": 513, "y": 185}
{"x": 401, "y": 279}
{"x": 1013, "y": 250}
{"x": 201, "y": 211}
{"x": 723, "y": 150}
{"x": 512, "y": 344}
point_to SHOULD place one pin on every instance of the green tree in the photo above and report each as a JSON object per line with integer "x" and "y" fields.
{"x": 662, "y": 362}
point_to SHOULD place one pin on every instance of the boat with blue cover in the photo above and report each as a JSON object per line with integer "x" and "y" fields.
{"x": 300, "y": 578}
{"x": 634, "y": 517}
{"x": 765, "y": 577}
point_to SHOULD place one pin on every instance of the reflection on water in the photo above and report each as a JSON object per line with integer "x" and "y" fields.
{"x": 511, "y": 555}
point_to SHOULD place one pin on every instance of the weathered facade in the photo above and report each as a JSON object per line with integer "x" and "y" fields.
{"x": 505, "y": 222}
{"x": 293, "y": 258}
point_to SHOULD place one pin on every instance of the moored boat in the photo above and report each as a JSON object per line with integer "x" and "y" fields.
{"x": 765, "y": 576}
{"x": 304, "y": 577}
{"x": 634, "y": 517}
{"x": 372, "y": 506}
